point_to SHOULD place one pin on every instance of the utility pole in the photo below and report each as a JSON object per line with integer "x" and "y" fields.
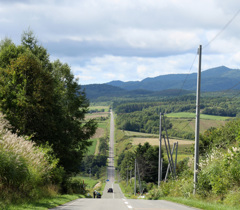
{"x": 90, "y": 172}
{"x": 169, "y": 163}
{"x": 135, "y": 177}
{"x": 139, "y": 180}
{"x": 127, "y": 175}
{"x": 196, "y": 159}
{"x": 168, "y": 148}
{"x": 176, "y": 156}
{"x": 130, "y": 176}
{"x": 160, "y": 151}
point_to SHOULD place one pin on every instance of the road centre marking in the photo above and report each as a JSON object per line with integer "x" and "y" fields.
{"x": 130, "y": 207}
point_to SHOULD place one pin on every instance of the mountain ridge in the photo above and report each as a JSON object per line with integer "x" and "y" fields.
{"x": 215, "y": 79}
{"x": 210, "y": 78}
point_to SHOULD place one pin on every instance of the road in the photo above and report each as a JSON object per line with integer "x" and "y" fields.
{"x": 117, "y": 193}
{"x": 116, "y": 200}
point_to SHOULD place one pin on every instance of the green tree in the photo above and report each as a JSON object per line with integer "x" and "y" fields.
{"x": 43, "y": 99}
{"x": 23, "y": 93}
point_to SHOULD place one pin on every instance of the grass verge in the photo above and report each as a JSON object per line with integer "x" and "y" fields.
{"x": 200, "y": 204}
{"x": 45, "y": 203}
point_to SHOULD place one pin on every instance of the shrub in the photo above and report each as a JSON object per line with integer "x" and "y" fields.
{"x": 75, "y": 185}
{"x": 219, "y": 172}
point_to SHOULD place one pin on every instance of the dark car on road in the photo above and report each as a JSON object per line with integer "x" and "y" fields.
{"x": 99, "y": 195}
{"x": 110, "y": 190}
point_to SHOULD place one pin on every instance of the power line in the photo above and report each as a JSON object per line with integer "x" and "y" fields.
{"x": 187, "y": 74}
{"x": 235, "y": 96}
{"x": 231, "y": 88}
{"x": 187, "y": 124}
{"x": 213, "y": 39}
{"x": 223, "y": 29}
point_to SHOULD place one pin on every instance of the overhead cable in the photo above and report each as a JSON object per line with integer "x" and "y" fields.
{"x": 223, "y": 29}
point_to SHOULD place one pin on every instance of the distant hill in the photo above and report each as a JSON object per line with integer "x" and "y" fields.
{"x": 213, "y": 80}
{"x": 106, "y": 92}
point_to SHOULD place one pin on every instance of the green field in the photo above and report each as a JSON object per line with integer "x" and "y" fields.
{"x": 188, "y": 125}
{"x": 193, "y": 116}
{"x": 138, "y": 134}
{"x": 100, "y": 108}
{"x": 92, "y": 148}
{"x": 102, "y": 124}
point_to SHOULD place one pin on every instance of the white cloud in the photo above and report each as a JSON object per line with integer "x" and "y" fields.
{"x": 129, "y": 40}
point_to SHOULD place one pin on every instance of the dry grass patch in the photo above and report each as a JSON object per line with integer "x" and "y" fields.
{"x": 133, "y": 133}
{"x": 99, "y": 133}
{"x": 96, "y": 115}
{"x": 155, "y": 141}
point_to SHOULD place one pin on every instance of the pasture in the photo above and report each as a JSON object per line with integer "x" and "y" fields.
{"x": 193, "y": 116}
{"x": 102, "y": 126}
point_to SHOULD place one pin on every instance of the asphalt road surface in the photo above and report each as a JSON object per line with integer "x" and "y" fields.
{"x": 116, "y": 200}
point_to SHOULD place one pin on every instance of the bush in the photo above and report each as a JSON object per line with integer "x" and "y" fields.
{"x": 75, "y": 185}
{"x": 219, "y": 172}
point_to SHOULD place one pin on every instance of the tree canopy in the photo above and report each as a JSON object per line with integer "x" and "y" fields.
{"x": 43, "y": 99}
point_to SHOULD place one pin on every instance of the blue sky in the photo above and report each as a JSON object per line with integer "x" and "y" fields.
{"x": 128, "y": 40}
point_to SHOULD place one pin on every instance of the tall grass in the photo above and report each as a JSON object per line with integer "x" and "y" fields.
{"x": 26, "y": 170}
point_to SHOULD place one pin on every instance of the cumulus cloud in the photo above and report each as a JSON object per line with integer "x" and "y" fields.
{"x": 105, "y": 40}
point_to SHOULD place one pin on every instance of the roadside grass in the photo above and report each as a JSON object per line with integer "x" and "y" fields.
{"x": 127, "y": 190}
{"x": 122, "y": 143}
{"x": 94, "y": 184}
{"x": 200, "y": 204}
{"x": 45, "y": 203}
{"x": 89, "y": 181}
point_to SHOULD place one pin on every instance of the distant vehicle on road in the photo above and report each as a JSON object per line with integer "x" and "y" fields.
{"x": 110, "y": 190}
{"x": 98, "y": 195}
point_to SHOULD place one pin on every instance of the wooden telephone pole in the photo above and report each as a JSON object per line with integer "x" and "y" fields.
{"x": 160, "y": 151}
{"x": 196, "y": 159}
